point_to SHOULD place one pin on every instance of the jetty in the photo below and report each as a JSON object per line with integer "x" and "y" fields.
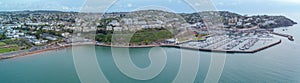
{"x": 291, "y": 38}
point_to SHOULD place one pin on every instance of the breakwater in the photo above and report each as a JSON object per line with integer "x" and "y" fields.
{"x": 291, "y": 38}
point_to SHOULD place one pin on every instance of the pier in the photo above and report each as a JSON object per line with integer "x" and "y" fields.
{"x": 291, "y": 38}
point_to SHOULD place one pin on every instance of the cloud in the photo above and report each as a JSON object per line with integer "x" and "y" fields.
{"x": 229, "y": 2}
{"x": 288, "y": 1}
{"x": 129, "y": 5}
{"x": 254, "y": 2}
{"x": 18, "y": 5}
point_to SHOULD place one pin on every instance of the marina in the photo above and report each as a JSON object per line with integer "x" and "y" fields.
{"x": 247, "y": 44}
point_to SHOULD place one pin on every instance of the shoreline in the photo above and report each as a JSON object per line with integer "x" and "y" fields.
{"x": 144, "y": 46}
{"x": 33, "y": 52}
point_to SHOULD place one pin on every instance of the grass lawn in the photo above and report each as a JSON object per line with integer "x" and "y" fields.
{"x": 2, "y": 44}
{"x": 199, "y": 38}
{"x": 4, "y": 50}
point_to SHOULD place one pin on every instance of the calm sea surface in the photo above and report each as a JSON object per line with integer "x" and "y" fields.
{"x": 279, "y": 64}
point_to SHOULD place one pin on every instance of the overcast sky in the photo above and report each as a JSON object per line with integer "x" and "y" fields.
{"x": 239, "y": 6}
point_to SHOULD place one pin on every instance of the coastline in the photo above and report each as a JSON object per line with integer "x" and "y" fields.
{"x": 143, "y": 46}
{"x": 33, "y": 52}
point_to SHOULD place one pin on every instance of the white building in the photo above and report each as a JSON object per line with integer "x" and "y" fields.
{"x": 114, "y": 23}
{"x": 109, "y": 28}
{"x": 118, "y": 28}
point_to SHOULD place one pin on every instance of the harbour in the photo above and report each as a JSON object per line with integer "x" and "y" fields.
{"x": 150, "y": 41}
{"x": 272, "y": 64}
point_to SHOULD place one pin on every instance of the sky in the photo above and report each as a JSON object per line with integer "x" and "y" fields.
{"x": 238, "y": 6}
